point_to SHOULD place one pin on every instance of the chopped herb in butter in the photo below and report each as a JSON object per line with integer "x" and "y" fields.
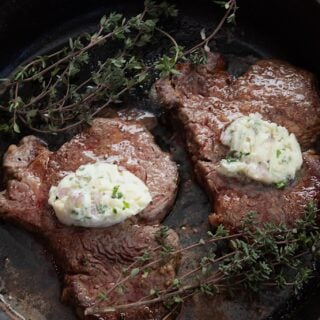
{"x": 98, "y": 195}
{"x": 260, "y": 150}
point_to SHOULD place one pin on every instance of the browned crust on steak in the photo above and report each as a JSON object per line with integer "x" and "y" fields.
{"x": 94, "y": 264}
{"x": 205, "y": 99}
{"x": 234, "y": 199}
{"x": 33, "y": 168}
{"x": 92, "y": 260}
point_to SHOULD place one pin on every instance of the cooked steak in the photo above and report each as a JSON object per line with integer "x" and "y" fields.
{"x": 34, "y": 169}
{"x": 92, "y": 260}
{"x": 206, "y": 98}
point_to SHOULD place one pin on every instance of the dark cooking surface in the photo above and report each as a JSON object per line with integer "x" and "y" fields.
{"x": 28, "y": 280}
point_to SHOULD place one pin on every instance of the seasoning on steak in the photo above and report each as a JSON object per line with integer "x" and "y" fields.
{"x": 92, "y": 260}
{"x": 206, "y": 98}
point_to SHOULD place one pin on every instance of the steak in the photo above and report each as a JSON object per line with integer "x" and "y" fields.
{"x": 92, "y": 260}
{"x": 206, "y": 98}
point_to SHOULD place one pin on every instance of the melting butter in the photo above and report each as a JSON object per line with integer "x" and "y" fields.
{"x": 98, "y": 195}
{"x": 260, "y": 150}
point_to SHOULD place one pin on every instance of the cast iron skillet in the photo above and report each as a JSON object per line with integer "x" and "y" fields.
{"x": 267, "y": 28}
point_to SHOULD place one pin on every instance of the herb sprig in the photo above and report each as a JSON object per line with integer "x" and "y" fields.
{"x": 257, "y": 257}
{"x": 62, "y": 90}
{"x": 53, "y": 90}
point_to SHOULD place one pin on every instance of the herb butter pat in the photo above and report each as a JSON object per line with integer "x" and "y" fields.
{"x": 98, "y": 195}
{"x": 260, "y": 150}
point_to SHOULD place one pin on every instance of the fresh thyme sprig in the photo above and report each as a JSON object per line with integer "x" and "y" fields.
{"x": 68, "y": 87}
{"x": 61, "y": 90}
{"x": 229, "y": 16}
{"x": 256, "y": 257}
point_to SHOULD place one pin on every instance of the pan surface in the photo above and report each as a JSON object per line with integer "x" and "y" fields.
{"x": 29, "y": 284}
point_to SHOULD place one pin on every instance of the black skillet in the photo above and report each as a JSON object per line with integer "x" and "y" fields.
{"x": 289, "y": 30}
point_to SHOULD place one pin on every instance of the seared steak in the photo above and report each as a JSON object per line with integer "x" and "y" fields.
{"x": 92, "y": 260}
{"x": 206, "y": 98}
{"x": 34, "y": 169}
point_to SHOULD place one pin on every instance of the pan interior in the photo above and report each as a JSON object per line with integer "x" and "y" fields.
{"x": 28, "y": 279}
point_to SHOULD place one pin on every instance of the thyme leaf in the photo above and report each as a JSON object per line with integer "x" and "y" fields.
{"x": 259, "y": 256}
